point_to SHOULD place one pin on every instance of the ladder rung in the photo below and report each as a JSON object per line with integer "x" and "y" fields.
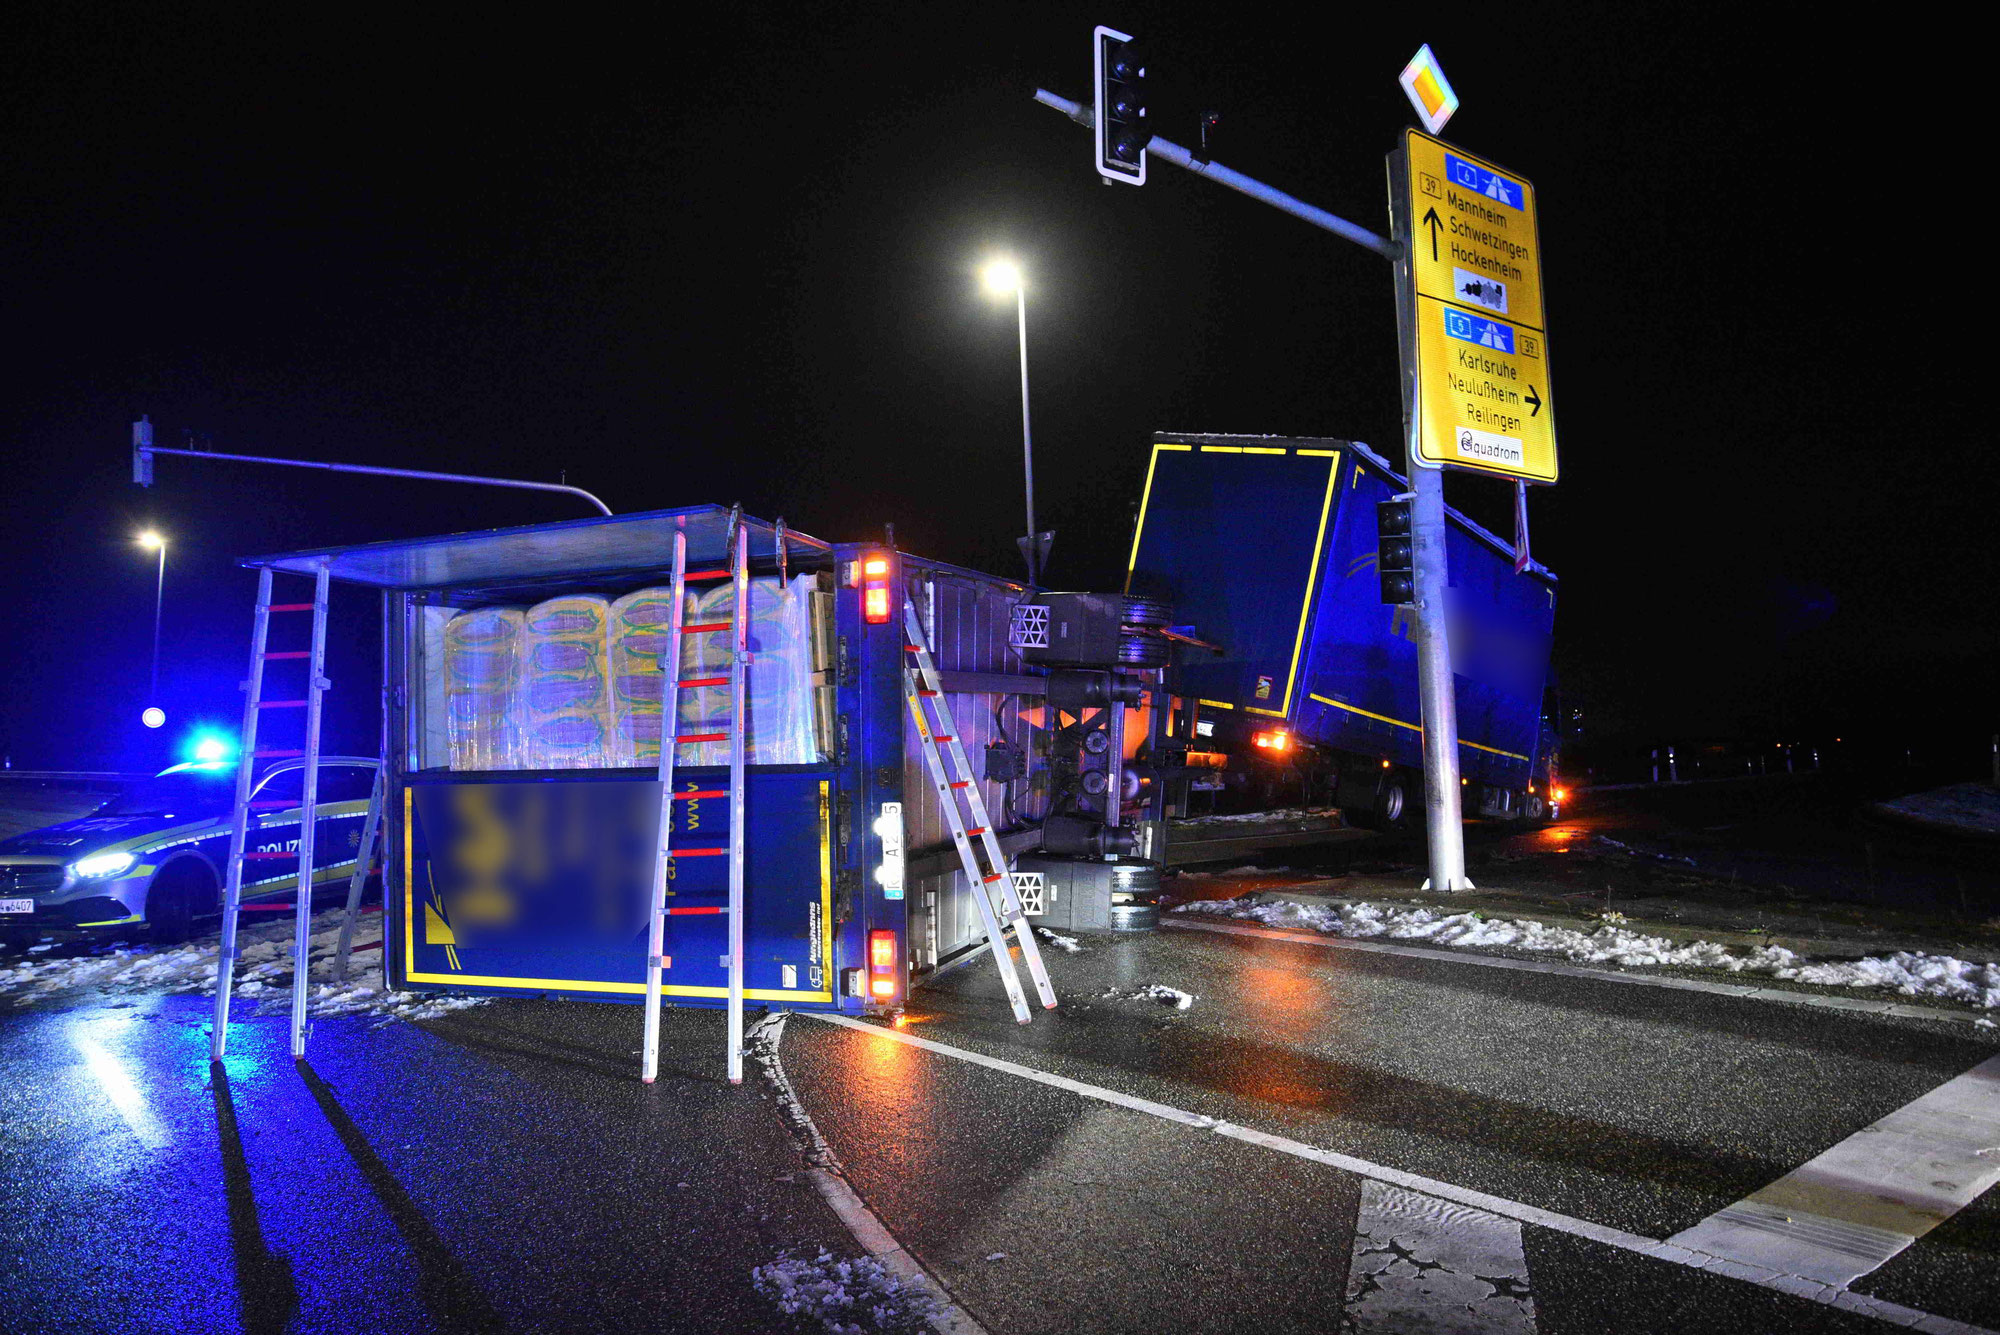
{"x": 695, "y": 913}
{"x": 365, "y": 945}
{"x": 703, "y": 627}
{"x": 921, "y": 691}
{"x": 693, "y": 793}
{"x": 290, "y": 653}
{"x": 266, "y": 854}
{"x": 994, "y": 877}
{"x": 707, "y": 574}
{"x": 265, "y": 908}
{"x": 693, "y": 682}
{"x": 291, "y": 607}
{"x": 941, "y": 737}
{"x": 273, "y": 804}
{"x": 913, "y": 648}
{"x": 266, "y": 755}
{"x": 281, "y": 704}
{"x": 973, "y": 834}
{"x": 700, "y": 737}
{"x": 962, "y": 783}
{"x": 700, "y": 852}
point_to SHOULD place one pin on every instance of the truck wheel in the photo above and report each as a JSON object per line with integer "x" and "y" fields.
{"x": 1148, "y": 612}
{"x": 177, "y": 894}
{"x": 1534, "y": 807}
{"x": 1142, "y": 651}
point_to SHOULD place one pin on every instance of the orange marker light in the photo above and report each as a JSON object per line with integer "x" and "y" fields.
{"x": 875, "y": 565}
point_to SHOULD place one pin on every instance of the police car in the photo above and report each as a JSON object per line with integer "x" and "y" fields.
{"x": 155, "y": 857}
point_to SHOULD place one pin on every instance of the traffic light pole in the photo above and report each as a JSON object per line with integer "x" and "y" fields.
{"x": 1443, "y": 809}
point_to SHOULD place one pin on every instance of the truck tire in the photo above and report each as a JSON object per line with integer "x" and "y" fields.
{"x": 1142, "y": 651}
{"x": 1148, "y": 612}
{"x": 1534, "y": 808}
{"x": 1393, "y": 808}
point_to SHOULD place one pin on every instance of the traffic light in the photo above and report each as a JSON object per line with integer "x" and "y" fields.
{"x": 1120, "y": 117}
{"x": 1395, "y": 553}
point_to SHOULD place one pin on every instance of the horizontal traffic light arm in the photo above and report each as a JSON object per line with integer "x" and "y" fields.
{"x": 1167, "y": 151}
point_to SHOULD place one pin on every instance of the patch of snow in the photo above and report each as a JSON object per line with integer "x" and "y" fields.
{"x": 1260, "y": 817}
{"x": 1067, "y": 944}
{"x": 1973, "y": 808}
{"x": 1910, "y": 974}
{"x": 1168, "y": 996}
{"x": 263, "y": 972}
{"x": 846, "y": 1297}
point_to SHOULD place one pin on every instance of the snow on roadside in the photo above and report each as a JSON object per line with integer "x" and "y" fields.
{"x": 1160, "y": 992}
{"x": 263, "y": 972}
{"x": 1911, "y": 974}
{"x": 1968, "y": 808}
{"x": 1069, "y": 945}
{"x": 845, "y": 1297}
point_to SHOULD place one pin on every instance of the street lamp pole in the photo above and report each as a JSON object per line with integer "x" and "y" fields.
{"x": 152, "y": 538}
{"x": 1027, "y": 435}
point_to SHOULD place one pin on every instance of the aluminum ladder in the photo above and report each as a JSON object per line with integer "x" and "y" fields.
{"x": 671, "y": 740}
{"x": 952, "y": 773}
{"x": 254, "y": 703}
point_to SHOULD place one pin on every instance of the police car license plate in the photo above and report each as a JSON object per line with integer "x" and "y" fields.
{"x": 17, "y": 906}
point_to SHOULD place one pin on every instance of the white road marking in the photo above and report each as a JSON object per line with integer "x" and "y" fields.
{"x": 1763, "y": 1276}
{"x": 824, "y": 1172}
{"x": 1424, "y": 1265}
{"x": 1843, "y": 1214}
{"x": 1863, "y": 1005}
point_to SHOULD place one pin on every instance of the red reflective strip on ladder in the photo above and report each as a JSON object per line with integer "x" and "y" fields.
{"x": 975, "y": 833}
{"x": 290, "y": 653}
{"x": 962, "y": 783}
{"x": 263, "y": 755}
{"x": 691, "y": 913}
{"x": 365, "y": 945}
{"x": 694, "y": 793}
{"x": 289, "y": 607}
{"x": 921, "y": 691}
{"x": 700, "y": 737}
{"x": 281, "y": 704}
{"x": 699, "y": 852}
{"x": 913, "y": 648}
{"x": 693, "y": 682}
{"x": 940, "y": 737}
{"x": 994, "y": 877}
{"x": 705, "y": 626}
{"x": 706, "y": 574}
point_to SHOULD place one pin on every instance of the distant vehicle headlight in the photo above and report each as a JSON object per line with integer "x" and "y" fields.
{"x": 99, "y": 865}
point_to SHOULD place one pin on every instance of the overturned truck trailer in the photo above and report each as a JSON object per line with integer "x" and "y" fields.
{"x": 528, "y": 692}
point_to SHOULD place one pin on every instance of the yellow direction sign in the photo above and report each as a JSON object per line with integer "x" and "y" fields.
{"x": 1481, "y": 338}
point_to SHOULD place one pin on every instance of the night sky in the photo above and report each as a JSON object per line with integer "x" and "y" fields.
{"x": 734, "y": 259}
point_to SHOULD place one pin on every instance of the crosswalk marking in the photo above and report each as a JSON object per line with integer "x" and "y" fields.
{"x": 1424, "y": 1266}
{"x": 1843, "y": 1214}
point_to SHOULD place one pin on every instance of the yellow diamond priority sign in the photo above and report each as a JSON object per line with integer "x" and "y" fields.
{"x": 1481, "y": 338}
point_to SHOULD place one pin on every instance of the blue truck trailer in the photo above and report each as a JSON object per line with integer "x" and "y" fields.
{"x": 1265, "y": 548}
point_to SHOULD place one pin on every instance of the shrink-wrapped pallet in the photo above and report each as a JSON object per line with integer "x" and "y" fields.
{"x": 641, "y": 626}
{"x": 778, "y": 722}
{"x": 565, "y": 679}
{"x": 482, "y": 682}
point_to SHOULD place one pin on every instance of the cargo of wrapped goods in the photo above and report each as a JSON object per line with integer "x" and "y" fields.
{"x": 482, "y": 670}
{"x": 565, "y": 684}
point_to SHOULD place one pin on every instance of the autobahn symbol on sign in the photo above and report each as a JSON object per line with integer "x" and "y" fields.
{"x": 1481, "y": 340}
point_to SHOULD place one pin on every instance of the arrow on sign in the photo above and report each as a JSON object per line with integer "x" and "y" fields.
{"x": 1535, "y": 400}
{"x": 1436, "y": 224}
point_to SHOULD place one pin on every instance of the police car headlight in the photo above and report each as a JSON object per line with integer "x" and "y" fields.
{"x": 99, "y": 865}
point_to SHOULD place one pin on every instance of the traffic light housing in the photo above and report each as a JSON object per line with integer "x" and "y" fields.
{"x": 1120, "y": 112}
{"x": 1395, "y": 552}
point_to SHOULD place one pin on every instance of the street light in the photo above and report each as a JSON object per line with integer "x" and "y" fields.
{"x": 151, "y": 540}
{"x": 1003, "y": 276}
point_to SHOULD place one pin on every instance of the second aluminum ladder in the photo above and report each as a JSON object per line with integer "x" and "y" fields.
{"x": 671, "y": 740}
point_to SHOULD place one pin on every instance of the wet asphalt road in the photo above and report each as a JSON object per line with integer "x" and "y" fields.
{"x": 499, "y": 1170}
{"x": 1639, "y": 1109}
{"x": 502, "y": 1169}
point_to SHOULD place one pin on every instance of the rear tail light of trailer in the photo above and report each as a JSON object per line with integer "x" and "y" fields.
{"x": 882, "y": 980}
